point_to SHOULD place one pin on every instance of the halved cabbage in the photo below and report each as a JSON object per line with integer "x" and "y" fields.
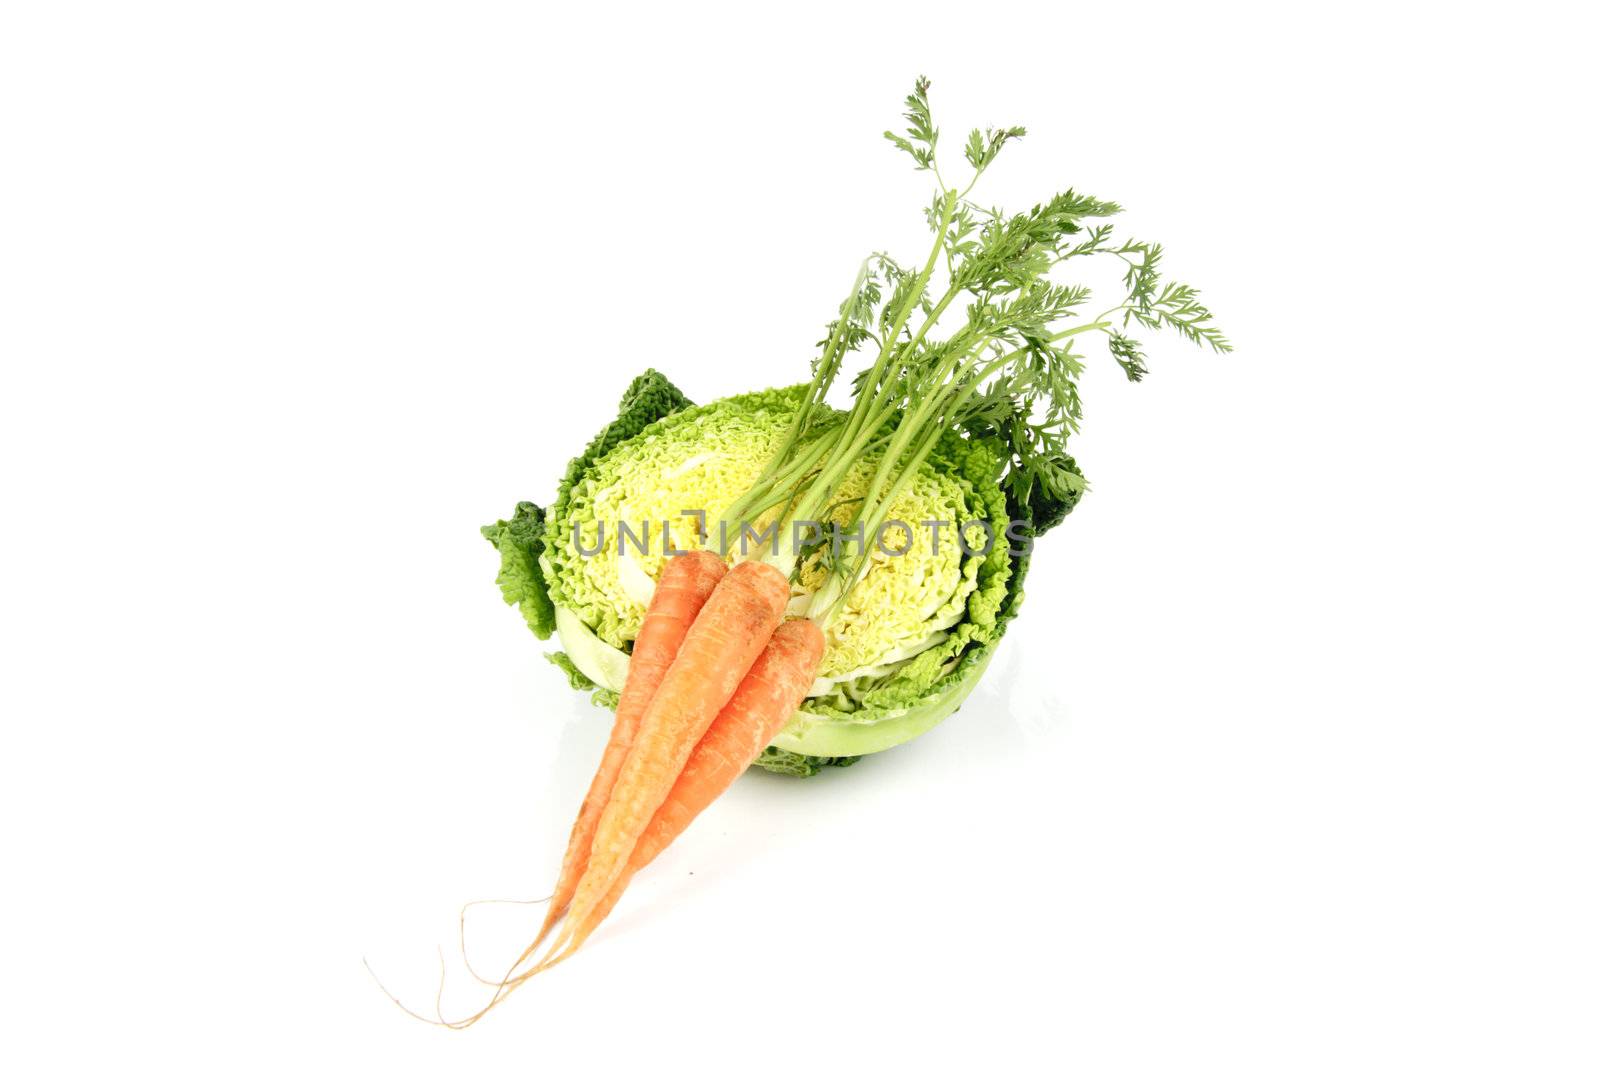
{"x": 904, "y": 650}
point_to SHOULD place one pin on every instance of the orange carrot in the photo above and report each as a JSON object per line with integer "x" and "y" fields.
{"x": 686, "y": 582}
{"x": 721, "y": 646}
{"x": 760, "y": 707}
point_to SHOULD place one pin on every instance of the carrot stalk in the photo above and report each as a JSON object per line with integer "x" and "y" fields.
{"x": 721, "y": 646}
{"x": 685, "y": 583}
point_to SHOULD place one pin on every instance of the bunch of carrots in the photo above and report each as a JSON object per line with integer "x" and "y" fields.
{"x": 716, "y": 673}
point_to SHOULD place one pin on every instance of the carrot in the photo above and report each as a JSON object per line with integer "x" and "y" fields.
{"x": 760, "y": 707}
{"x": 720, "y": 648}
{"x": 767, "y": 685}
{"x": 685, "y": 583}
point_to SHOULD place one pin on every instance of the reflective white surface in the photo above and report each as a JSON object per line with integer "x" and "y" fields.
{"x": 1290, "y": 758}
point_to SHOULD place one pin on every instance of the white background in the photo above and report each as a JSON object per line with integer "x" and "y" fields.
{"x": 1290, "y": 758}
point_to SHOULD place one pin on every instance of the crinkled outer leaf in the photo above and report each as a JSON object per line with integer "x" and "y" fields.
{"x": 782, "y": 761}
{"x": 603, "y": 698}
{"x": 575, "y": 678}
{"x": 520, "y": 540}
{"x": 1045, "y": 515}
